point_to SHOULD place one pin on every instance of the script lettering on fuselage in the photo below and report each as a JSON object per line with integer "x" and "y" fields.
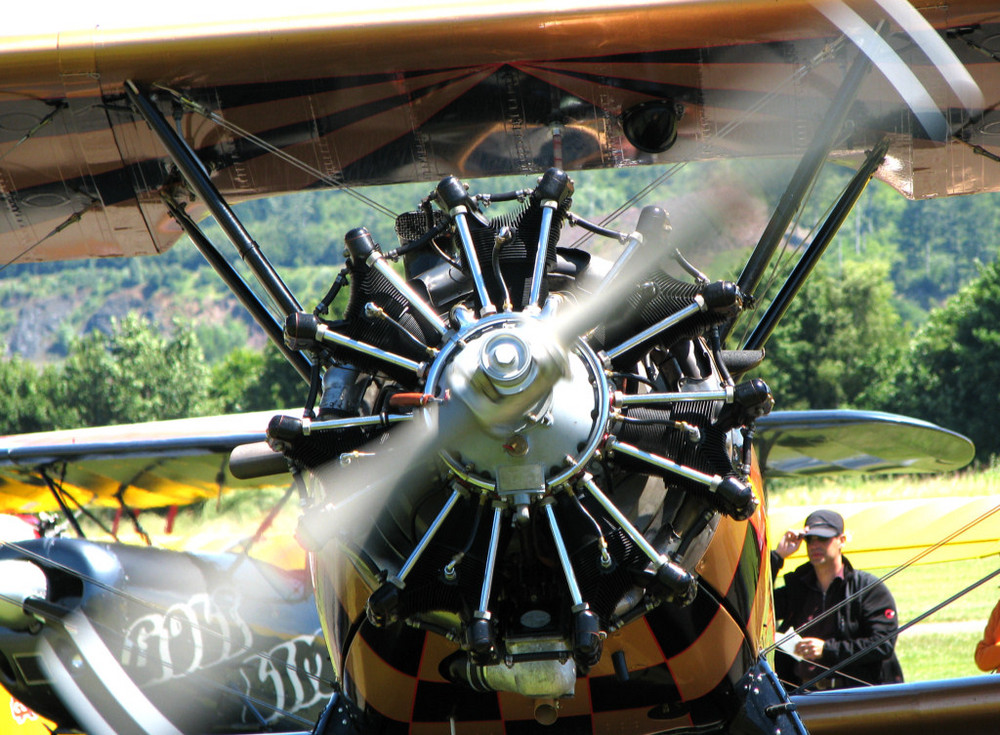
{"x": 187, "y": 637}
{"x": 294, "y": 675}
{"x": 208, "y": 631}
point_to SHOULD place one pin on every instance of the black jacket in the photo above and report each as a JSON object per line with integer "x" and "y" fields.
{"x": 868, "y": 618}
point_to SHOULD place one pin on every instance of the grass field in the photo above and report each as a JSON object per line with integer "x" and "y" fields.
{"x": 941, "y": 646}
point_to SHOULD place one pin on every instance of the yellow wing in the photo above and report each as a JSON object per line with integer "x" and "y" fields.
{"x": 157, "y": 464}
{"x": 888, "y": 533}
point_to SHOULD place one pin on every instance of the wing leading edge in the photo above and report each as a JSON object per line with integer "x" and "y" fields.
{"x": 844, "y": 441}
{"x": 145, "y": 465}
{"x": 839, "y": 442}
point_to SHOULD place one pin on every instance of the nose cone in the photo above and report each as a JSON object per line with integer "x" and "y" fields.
{"x": 19, "y": 580}
{"x": 505, "y": 359}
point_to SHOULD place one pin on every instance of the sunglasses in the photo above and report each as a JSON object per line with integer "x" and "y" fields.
{"x": 824, "y": 539}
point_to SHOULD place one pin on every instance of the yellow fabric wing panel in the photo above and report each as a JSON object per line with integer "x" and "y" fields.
{"x": 889, "y": 533}
{"x": 149, "y": 465}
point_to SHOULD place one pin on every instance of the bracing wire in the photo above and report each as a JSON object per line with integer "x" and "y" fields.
{"x": 836, "y": 668}
{"x": 298, "y": 163}
{"x": 776, "y": 266}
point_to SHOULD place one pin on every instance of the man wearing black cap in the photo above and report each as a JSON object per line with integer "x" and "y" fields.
{"x": 866, "y": 621}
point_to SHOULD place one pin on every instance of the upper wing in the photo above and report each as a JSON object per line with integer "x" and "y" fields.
{"x": 141, "y": 465}
{"x": 840, "y": 441}
{"x": 394, "y": 91}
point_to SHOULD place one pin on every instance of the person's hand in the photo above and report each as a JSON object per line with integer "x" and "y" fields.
{"x": 789, "y": 544}
{"x": 810, "y": 648}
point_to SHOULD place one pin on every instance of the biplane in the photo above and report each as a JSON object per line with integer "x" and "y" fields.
{"x": 532, "y": 501}
{"x": 281, "y": 675}
{"x": 222, "y": 633}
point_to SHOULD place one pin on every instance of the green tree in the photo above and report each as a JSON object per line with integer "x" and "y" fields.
{"x": 279, "y": 383}
{"x": 945, "y": 241}
{"x": 250, "y": 380}
{"x": 28, "y": 397}
{"x": 948, "y": 375}
{"x": 836, "y": 339}
{"x": 234, "y": 378}
{"x": 137, "y": 374}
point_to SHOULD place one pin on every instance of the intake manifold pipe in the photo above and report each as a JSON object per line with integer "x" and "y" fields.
{"x": 362, "y": 248}
{"x": 304, "y": 331}
{"x": 554, "y": 187}
{"x": 651, "y": 232}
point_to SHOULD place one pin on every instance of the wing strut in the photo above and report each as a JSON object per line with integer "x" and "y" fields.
{"x": 762, "y": 332}
{"x": 56, "y": 491}
{"x": 238, "y": 286}
{"x": 201, "y": 183}
{"x": 805, "y": 174}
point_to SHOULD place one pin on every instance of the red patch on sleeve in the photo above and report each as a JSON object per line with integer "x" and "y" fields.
{"x": 889, "y": 613}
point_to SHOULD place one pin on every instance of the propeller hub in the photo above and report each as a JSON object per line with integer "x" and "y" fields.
{"x": 505, "y": 359}
{"x": 528, "y": 411}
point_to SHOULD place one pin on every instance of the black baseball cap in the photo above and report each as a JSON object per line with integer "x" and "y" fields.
{"x": 824, "y": 523}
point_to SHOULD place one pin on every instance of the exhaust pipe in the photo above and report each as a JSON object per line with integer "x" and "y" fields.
{"x": 546, "y": 711}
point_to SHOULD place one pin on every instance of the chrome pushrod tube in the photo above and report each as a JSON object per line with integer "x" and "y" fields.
{"x": 378, "y": 262}
{"x": 326, "y": 334}
{"x": 459, "y": 216}
{"x": 622, "y": 521}
{"x": 564, "y": 561}
{"x": 309, "y": 427}
{"x": 491, "y": 560}
{"x": 538, "y": 275}
{"x": 644, "y": 399}
{"x": 663, "y": 324}
{"x": 710, "y": 481}
{"x": 631, "y": 245}
{"x": 428, "y": 536}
